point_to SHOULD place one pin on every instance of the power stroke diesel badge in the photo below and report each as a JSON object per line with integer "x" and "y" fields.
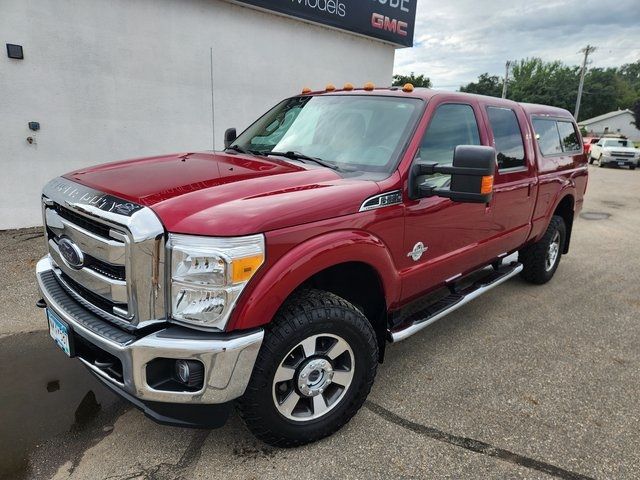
{"x": 418, "y": 250}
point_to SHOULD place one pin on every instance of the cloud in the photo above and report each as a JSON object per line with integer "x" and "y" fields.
{"x": 456, "y": 41}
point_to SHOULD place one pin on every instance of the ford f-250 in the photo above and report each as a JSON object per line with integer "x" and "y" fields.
{"x": 273, "y": 274}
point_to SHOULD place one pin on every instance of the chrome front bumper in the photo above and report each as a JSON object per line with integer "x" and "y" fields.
{"x": 228, "y": 358}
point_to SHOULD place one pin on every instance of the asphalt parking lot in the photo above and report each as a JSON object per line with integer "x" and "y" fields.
{"x": 525, "y": 382}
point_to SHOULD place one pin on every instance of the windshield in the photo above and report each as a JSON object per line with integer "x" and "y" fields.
{"x": 616, "y": 143}
{"x": 361, "y": 135}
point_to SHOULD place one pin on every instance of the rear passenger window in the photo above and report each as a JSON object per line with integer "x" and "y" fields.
{"x": 568, "y": 137}
{"x": 547, "y": 135}
{"x": 507, "y": 136}
{"x": 452, "y": 125}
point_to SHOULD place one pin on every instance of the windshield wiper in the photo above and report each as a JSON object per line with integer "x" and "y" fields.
{"x": 236, "y": 148}
{"x": 301, "y": 156}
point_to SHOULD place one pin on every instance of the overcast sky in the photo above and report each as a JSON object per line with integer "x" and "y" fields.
{"x": 456, "y": 40}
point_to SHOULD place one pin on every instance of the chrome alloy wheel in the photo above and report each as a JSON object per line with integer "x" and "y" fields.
{"x": 553, "y": 251}
{"x": 313, "y": 377}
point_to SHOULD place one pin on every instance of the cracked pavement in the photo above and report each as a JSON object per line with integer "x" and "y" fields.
{"x": 524, "y": 382}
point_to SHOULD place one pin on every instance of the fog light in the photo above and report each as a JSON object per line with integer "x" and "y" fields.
{"x": 190, "y": 372}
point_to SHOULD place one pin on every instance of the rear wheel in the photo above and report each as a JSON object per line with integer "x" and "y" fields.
{"x": 541, "y": 259}
{"x": 313, "y": 373}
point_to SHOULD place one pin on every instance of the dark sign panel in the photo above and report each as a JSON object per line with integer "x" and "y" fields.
{"x": 390, "y": 20}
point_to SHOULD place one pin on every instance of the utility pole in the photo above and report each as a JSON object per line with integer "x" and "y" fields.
{"x": 586, "y": 50}
{"x": 506, "y": 79}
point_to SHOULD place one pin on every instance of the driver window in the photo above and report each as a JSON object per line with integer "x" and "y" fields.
{"x": 451, "y": 125}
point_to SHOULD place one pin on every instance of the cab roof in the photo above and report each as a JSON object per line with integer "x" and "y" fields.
{"x": 428, "y": 94}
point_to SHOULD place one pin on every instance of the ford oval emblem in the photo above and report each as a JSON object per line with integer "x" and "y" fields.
{"x": 71, "y": 253}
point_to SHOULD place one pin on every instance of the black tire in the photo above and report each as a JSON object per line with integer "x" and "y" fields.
{"x": 305, "y": 314}
{"x": 534, "y": 257}
{"x": 591, "y": 160}
{"x": 600, "y": 163}
{"x": 632, "y": 167}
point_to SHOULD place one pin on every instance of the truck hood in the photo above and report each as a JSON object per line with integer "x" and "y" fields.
{"x": 620, "y": 149}
{"x": 227, "y": 194}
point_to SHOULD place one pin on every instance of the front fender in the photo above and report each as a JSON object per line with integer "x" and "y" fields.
{"x": 262, "y": 299}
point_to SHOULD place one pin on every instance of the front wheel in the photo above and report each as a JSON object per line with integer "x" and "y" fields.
{"x": 541, "y": 259}
{"x": 601, "y": 164}
{"x": 313, "y": 373}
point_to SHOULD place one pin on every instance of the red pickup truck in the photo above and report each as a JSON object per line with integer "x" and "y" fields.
{"x": 273, "y": 274}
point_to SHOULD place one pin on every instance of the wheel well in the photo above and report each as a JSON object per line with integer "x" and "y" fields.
{"x": 359, "y": 284}
{"x": 565, "y": 210}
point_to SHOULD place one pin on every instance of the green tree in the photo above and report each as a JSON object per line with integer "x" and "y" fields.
{"x": 604, "y": 91}
{"x": 549, "y": 83}
{"x": 554, "y": 83}
{"x": 415, "y": 80}
{"x": 630, "y": 73}
{"x": 630, "y": 76}
{"x": 486, "y": 85}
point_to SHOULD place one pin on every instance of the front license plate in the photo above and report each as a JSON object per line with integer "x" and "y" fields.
{"x": 59, "y": 331}
{"x": 621, "y": 164}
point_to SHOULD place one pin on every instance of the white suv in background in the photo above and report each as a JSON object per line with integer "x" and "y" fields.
{"x": 615, "y": 151}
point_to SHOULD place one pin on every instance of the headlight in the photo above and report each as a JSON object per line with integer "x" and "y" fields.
{"x": 208, "y": 274}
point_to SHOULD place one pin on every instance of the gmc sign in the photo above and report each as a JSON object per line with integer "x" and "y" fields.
{"x": 389, "y": 20}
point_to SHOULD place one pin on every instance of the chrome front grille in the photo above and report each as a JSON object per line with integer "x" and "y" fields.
{"x": 623, "y": 154}
{"x": 121, "y": 249}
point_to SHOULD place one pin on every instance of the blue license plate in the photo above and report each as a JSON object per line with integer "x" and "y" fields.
{"x": 59, "y": 331}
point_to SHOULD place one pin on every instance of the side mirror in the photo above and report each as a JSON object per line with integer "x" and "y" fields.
{"x": 471, "y": 176}
{"x": 230, "y": 136}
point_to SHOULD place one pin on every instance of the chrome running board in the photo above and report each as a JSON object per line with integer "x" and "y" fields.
{"x": 455, "y": 300}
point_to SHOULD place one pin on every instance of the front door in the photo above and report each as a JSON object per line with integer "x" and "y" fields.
{"x": 441, "y": 236}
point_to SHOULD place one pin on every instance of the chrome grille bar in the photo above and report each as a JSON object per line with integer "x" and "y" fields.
{"x": 113, "y": 290}
{"x": 107, "y": 250}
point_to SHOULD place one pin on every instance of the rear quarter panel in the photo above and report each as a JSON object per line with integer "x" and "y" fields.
{"x": 558, "y": 176}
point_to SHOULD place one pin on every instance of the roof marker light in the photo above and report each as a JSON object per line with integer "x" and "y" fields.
{"x": 306, "y": 90}
{"x": 330, "y": 87}
{"x": 348, "y": 87}
{"x": 369, "y": 86}
{"x": 408, "y": 88}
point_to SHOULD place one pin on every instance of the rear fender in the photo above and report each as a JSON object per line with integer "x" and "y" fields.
{"x": 260, "y": 302}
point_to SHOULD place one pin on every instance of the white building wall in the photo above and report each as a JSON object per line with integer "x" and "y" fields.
{"x": 619, "y": 124}
{"x": 114, "y": 79}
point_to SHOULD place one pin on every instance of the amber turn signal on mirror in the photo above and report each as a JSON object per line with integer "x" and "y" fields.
{"x": 486, "y": 187}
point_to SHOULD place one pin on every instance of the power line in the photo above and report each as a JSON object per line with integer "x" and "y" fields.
{"x": 586, "y": 50}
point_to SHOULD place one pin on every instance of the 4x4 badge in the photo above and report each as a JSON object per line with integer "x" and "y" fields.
{"x": 418, "y": 250}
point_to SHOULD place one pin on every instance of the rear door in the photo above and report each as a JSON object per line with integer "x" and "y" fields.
{"x": 515, "y": 182}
